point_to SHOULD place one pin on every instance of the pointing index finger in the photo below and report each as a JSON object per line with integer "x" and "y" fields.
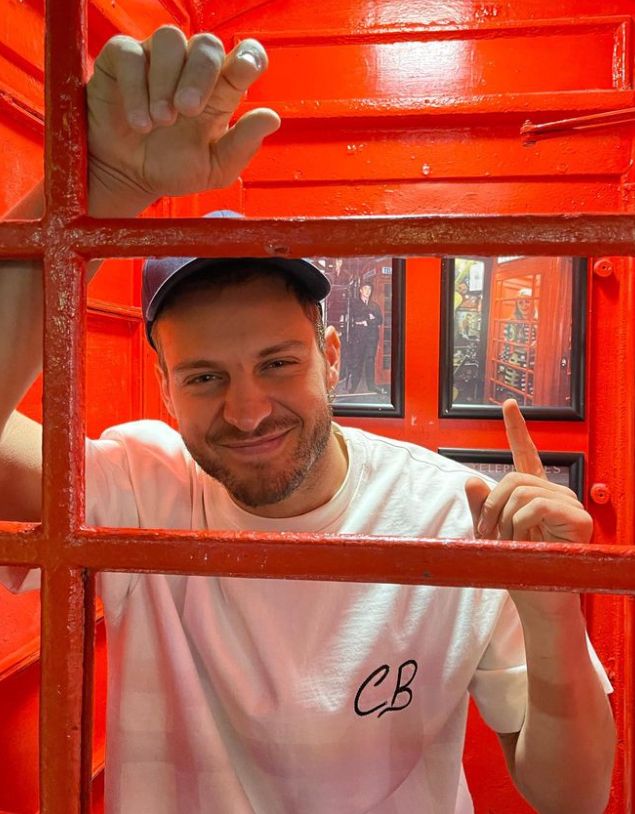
{"x": 524, "y": 452}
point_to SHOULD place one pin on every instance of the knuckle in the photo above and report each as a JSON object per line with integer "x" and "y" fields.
{"x": 488, "y": 507}
{"x": 541, "y": 504}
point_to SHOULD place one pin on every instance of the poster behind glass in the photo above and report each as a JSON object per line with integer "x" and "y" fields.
{"x": 562, "y": 468}
{"x": 513, "y": 327}
{"x": 365, "y": 307}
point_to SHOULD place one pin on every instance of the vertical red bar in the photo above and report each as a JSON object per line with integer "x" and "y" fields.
{"x": 63, "y": 402}
{"x": 65, "y": 755}
{"x": 88, "y": 687}
{"x": 67, "y": 620}
{"x": 64, "y": 765}
{"x": 64, "y": 141}
{"x": 67, "y": 633}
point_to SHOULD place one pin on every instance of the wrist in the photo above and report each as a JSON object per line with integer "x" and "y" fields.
{"x": 552, "y": 626}
{"x": 537, "y": 608}
{"x": 113, "y": 195}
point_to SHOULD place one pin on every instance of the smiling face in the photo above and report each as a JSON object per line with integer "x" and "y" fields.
{"x": 243, "y": 376}
{"x": 524, "y": 307}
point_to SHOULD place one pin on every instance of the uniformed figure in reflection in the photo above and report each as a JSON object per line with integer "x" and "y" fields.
{"x": 366, "y": 320}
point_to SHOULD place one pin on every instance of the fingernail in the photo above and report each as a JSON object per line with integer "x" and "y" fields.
{"x": 161, "y": 111}
{"x": 252, "y": 57}
{"x": 189, "y": 98}
{"x": 139, "y": 119}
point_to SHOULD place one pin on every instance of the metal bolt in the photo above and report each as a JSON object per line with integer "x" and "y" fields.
{"x": 600, "y": 493}
{"x": 603, "y": 267}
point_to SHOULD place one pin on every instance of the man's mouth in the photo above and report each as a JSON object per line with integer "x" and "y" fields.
{"x": 260, "y": 445}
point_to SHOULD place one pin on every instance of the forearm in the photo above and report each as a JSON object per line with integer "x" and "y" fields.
{"x": 20, "y": 316}
{"x": 565, "y": 750}
{"x": 21, "y": 293}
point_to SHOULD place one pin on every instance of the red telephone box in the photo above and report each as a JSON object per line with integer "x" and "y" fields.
{"x": 528, "y": 353}
{"x": 404, "y": 110}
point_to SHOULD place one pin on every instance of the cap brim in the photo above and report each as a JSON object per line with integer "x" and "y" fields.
{"x": 304, "y": 272}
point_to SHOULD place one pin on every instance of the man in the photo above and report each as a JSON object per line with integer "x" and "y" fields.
{"x": 366, "y": 319}
{"x": 240, "y": 696}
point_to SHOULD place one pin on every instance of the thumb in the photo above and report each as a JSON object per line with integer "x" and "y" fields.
{"x": 241, "y": 142}
{"x": 476, "y": 492}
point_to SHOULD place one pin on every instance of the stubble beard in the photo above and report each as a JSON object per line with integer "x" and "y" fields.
{"x": 265, "y": 486}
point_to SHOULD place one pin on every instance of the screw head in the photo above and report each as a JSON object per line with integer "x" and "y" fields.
{"x": 600, "y": 493}
{"x": 603, "y": 267}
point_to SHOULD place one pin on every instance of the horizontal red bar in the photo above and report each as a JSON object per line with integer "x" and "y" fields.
{"x": 401, "y": 112}
{"x": 408, "y": 31}
{"x": 482, "y": 563}
{"x": 22, "y": 239}
{"x": 407, "y": 235}
{"x": 19, "y": 543}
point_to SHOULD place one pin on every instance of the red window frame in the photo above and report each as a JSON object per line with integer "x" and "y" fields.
{"x": 69, "y": 553}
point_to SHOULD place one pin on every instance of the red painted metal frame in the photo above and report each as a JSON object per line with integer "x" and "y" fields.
{"x": 69, "y": 554}
{"x": 403, "y": 235}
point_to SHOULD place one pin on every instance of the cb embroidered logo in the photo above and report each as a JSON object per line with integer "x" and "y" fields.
{"x": 399, "y": 692}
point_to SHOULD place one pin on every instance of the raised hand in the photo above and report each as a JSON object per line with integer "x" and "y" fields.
{"x": 525, "y": 505}
{"x": 159, "y": 114}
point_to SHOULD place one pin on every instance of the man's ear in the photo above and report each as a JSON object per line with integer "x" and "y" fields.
{"x": 162, "y": 378}
{"x": 332, "y": 348}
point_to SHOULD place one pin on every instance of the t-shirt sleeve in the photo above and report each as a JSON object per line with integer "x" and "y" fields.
{"x": 19, "y": 578}
{"x": 138, "y": 475}
{"x": 109, "y": 502}
{"x": 499, "y": 684}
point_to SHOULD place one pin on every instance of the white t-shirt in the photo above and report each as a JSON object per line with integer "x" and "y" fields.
{"x": 255, "y": 696}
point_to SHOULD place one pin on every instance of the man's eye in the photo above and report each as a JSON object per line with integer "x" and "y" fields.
{"x": 203, "y": 378}
{"x": 278, "y": 363}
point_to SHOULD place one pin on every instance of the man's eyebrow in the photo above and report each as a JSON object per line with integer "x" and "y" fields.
{"x": 195, "y": 364}
{"x": 198, "y": 364}
{"x": 290, "y": 344}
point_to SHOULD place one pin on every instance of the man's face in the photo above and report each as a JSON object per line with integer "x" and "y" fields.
{"x": 365, "y": 292}
{"x": 524, "y": 306}
{"x": 249, "y": 389}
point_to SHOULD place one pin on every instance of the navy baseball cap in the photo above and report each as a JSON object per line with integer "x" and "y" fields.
{"x": 162, "y": 274}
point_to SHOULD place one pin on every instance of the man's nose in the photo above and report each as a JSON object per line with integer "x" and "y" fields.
{"x": 246, "y": 404}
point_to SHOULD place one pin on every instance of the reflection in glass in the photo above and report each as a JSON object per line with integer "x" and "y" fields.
{"x": 512, "y": 330}
{"x": 360, "y": 308}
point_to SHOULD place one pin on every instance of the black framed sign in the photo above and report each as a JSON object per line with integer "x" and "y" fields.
{"x": 513, "y": 327}
{"x": 366, "y": 308}
{"x": 564, "y": 468}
